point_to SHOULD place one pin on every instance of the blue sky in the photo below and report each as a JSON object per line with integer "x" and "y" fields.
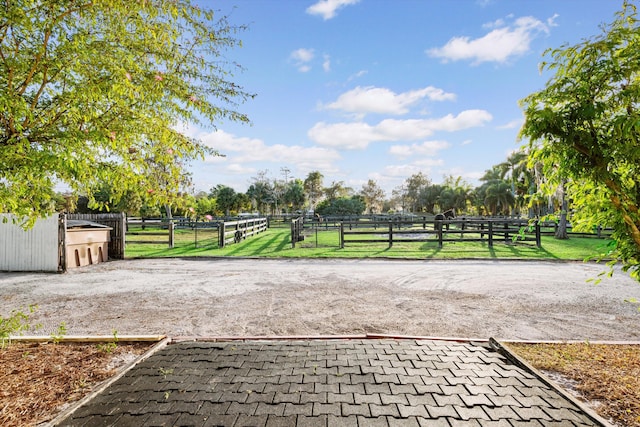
{"x": 383, "y": 89}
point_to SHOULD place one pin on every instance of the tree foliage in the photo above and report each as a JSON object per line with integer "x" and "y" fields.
{"x": 373, "y": 196}
{"x": 584, "y": 126}
{"x": 313, "y": 188}
{"x": 294, "y": 196}
{"x": 94, "y": 92}
{"x": 353, "y": 205}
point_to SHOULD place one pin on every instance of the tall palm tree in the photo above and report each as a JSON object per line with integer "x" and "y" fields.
{"x": 499, "y": 198}
{"x": 515, "y": 170}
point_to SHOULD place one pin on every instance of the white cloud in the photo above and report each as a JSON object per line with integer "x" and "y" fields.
{"x": 499, "y": 45}
{"x": 428, "y": 163}
{"x": 326, "y": 65}
{"x": 327, "y": 8}
{"x": 513, "y": 124}
{"x": 349, "y": 136}
{"x": 357, "y": 75}
{"x": 301, "y": 58}
{"x": 358, "y": 135}
{"x": 402, "y": 171}
{"x": 427, "y": 148}
{"x": 238, "y": 169}
{"x": 243, "y": 151}
{"x": 369, "y": 99}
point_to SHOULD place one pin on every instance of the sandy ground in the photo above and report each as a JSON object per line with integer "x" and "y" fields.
{"x": 240, "y": 297}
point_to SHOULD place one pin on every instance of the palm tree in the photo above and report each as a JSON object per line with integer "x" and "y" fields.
{"x": 429, "y": 197}
{"x": 498, "y": 198}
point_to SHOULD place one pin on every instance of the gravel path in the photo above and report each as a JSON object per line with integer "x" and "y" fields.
{"x": 242, "y": 297}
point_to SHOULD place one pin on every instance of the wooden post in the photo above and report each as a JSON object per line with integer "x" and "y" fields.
{"x": 390, "y": 234}
{"x": 171, "y": 236}
{"x": 440, "y": 227}
{"x": 294, "y": 235}
{"x": 62, "y": 243}
{"x": 538, "y": 239}
{"x": 221, "y": 233}
{"x": 121, "y": 245}
{"x": 490, "y": 233}
{"x": 341, "y": 235}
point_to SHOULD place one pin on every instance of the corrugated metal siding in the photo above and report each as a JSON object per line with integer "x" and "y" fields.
{"x": 35, "y": 249}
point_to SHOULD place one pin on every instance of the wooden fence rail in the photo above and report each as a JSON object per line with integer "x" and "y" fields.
{"x": 166, "y": 228}
{"x": 236, "y": 231}
{"x": 453, "y": 230}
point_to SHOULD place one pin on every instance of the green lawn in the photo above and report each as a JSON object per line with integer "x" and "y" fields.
{"x": 276, "y": 243}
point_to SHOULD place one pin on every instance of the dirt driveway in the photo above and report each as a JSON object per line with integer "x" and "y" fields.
{"x": 213, "y": 297}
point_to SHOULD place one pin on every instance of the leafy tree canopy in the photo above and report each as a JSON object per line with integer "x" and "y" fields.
{"x": 584, "y": 127}
{"x": 353, "y": 205}
{"x": 95, "y": 91}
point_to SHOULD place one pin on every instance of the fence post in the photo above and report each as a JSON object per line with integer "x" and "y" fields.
{"x": 293, "y": 234}
{"x": 390, "y": 234}
{"x": 490, "y": 233}
{"x": 221, "y": 233}
{"x": 341, "y": 235}
{"x": 171, "y": 236}
{"x": 538, "y": 240}
{"x": 440, "y": 227}
{"x": 123, "y": 235}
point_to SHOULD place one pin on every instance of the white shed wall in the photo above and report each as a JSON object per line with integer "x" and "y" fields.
{"x": 35, "y": 249}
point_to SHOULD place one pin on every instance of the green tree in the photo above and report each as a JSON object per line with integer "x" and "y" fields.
{"x": 429, "y": 197}
{"x": 336, "y": 190}
{"x": 294, "y": 196}
{"x": 584, "y": 127}
{"x": 455, "y": 195}
{"x": 414, "y": 184}
{"x": 516, "y": 170}
{"x": 204, "y": 205}
{"x": 373, "y": 196}
{"x": 91, "y": 92}
{"x": 313, "y": 187}
{"x": 498, "y": 198}
{"x": 353, "y": 205}
{"x": 260, "y": 192}
{"x": 226, "y": 199}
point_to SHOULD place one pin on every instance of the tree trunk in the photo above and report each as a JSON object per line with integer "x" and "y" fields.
{"x": 561, "y": 232}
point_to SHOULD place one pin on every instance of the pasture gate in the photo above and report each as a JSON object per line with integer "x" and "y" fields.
{"x": 297, "y": 226}
{"x": 235, "y": 231}
{"x": 151, "y": 231}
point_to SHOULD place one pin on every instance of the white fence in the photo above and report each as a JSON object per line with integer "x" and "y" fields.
{"x": 33, "y": 250}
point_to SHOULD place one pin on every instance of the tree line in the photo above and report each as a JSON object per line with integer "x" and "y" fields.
{"x": 510, "y": 188}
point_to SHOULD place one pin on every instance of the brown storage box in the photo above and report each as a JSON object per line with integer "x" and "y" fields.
{"x": 87, "y": 246}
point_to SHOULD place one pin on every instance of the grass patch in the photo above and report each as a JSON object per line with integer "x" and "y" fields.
{"x": 276, "y": 243}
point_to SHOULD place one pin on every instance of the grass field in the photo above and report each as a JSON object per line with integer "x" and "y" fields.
{"x": 276, "y": 243}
